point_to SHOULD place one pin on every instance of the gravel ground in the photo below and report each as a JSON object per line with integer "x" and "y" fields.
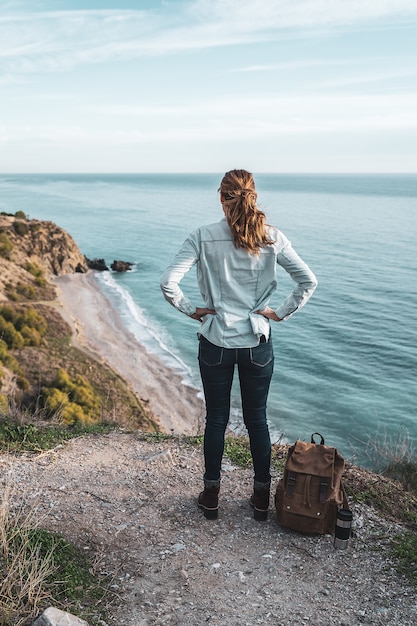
{"x": 131, "y": 504}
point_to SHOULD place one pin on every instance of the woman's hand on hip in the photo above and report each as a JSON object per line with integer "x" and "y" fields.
{"x": 269, "y": 314}
{"x": 199, "y": 313}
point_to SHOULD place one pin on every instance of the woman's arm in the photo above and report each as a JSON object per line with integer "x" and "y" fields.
{"x": 186, "y": 257}
{"x": 302, "y": 275}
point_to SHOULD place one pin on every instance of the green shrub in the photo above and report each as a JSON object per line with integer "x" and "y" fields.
{"x": 6, "y": 358}
{"x": 40, "y": 281}
{"x": 84, "y": 394}
{"x": 6, "y": 246}
{"x": 4, "y": 404}
{"x": 21, "y": 329}
{"x": 10, "y": 335}
{"x": 63, "y": 381}
{"x": 73, "y": 413}
{"x": 36, "y": 272}
{"x": 20, "y": 215}
{"x": 4, "y": 352}
{"x": 30, "y": 328}
{"x": 20, "y": 228}
{"x": 56, "y": 399}
{"x": 8, "y": 314}
{"x": 31, "y": 336}
{"x": 33, "y": 319}
{"x": 33, "y": 268}
{"x": 75, "y": 401}
{"x": 11, "y": 294}
{"x": 26, "y": 291}
{"x": 12, "y": 364}
{"x": 22, "y": 383}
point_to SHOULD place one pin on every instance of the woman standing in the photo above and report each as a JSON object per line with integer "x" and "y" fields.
{"x": 237, "y": 259}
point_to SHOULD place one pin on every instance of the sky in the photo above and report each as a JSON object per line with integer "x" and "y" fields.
{"x": 299, "y": 86}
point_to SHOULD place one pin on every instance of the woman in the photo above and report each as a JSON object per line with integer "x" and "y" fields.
{"x": 236, "y": 262}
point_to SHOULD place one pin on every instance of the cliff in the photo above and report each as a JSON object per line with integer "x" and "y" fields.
{"x": 44, "y": 244}
{"x": 40, "y": 365}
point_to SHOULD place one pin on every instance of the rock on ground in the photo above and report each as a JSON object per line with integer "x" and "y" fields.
{"x": 55, "y": 617}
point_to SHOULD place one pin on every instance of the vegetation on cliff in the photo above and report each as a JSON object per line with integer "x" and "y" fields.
{"x": 41, "y": 372}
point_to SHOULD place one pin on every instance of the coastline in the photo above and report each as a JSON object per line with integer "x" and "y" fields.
{"x": 98, "y": 329}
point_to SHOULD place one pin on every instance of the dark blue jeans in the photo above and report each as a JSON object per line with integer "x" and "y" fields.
{"x": 255, "y": 367}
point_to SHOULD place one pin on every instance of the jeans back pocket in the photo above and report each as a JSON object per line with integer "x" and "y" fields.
{"x": 208, "y": 353}
{"x": 262, "y": 354}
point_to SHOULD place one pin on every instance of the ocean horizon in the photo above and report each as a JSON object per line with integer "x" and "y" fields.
{"x": 345, "y": 364}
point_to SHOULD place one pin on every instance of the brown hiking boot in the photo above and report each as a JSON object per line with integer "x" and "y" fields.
{"x": 259, "y": 501}
{"x": 208, "y": 500}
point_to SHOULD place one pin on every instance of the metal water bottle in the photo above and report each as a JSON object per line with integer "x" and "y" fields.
{"x": 343, "y": 528}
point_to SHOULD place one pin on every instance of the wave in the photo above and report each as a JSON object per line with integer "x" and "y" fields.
{"x": 135, "y": 320}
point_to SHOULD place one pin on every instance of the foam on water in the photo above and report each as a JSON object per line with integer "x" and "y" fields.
{"x": 135, "y": 320}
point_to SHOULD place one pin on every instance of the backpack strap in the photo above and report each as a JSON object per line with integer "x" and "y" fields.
{"x": 291, "y": 483}
{"x": 323, "y": 490}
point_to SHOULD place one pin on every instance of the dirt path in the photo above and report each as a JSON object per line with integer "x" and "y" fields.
{"x": 131, "y": 503}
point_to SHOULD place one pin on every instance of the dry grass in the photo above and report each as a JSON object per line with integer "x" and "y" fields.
{"x": 40, "y": 568}
{"x": 24, "y": 566}
{"x": 386, "y": 450}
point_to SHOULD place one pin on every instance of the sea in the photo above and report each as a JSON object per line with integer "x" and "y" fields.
{"x": 345, "y": 365}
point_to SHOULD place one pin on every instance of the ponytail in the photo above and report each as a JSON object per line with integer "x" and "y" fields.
{"x": 246, "y": 221}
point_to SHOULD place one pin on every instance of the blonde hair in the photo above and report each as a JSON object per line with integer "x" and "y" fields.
{"x": 246, "y": 221}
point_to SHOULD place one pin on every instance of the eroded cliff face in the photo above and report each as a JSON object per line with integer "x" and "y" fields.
{"x": 40, "y": 242}
{"x": 30, "y": 252}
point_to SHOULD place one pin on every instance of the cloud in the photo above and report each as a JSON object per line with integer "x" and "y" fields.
{"x": 291, "y": 65}
{"x": 368, "y": 78}
{"x": 263, "y": 15}
{"x": 232, "y": 119}
{"x": 48, "y": 41}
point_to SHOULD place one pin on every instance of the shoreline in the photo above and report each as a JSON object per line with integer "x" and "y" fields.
{"x": 98, "y": 329}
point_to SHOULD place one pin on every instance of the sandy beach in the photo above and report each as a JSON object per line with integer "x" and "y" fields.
{"x": 98, "y": 328}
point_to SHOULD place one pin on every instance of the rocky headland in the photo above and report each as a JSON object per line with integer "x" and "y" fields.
{"x": 38, "y": 338}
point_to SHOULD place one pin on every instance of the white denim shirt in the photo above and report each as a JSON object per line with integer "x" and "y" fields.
{"x": 236, "y": 284}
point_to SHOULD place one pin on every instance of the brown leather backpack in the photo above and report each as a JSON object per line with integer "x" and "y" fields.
{"x": 309, "y": 495}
